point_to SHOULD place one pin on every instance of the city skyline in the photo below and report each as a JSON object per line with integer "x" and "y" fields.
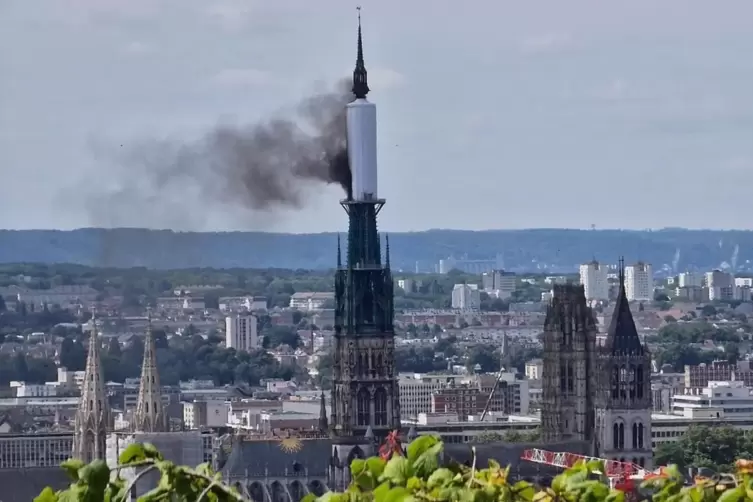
{"x": 481, "y": 111}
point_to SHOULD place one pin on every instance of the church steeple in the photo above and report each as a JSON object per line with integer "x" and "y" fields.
{"x": 360, "y": 85}
{"x": 323, "y": 423}
{"x": 150, "y": 414}
{"x": 93, "y": 414}
{"x": 622, "y": 335}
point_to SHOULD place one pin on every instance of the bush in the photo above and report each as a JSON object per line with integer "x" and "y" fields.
{"x": 414, "y": 476}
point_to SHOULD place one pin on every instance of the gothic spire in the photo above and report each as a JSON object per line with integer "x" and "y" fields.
{"x": 360, "y": 86}
{"x": 150, "y": 415}
{"x": 339, "y": 253}
{"x": 93, "y": 414}
{"x": 323, "y": 425}
{"x": 622, "y": 335}
{"x": 387, "y": 251}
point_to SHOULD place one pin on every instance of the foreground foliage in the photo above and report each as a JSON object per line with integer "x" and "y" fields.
{"x": 411, "y": 475}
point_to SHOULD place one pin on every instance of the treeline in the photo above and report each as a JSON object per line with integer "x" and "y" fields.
{"x": 180, "y": 358}
{"x": 678, "y": 344}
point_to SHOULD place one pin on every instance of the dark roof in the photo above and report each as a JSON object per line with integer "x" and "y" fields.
{"x": 23, "y": 485}
{"x": 273, "y": 457}
{"x": 622, "y": 336}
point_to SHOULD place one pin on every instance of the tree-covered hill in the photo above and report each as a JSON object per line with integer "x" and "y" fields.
{"x": 542, "y": 249}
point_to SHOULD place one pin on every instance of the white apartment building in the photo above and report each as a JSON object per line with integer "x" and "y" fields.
{"x": 729, "y": 399}
{"x": 690, "y": 280}
{"x": 744, "y": 282}
{"x": 241, "y": 303}
{"x": 198, "y": 414}
{"x": 416, "y": 390}
{"x": 499, "y": 283}
{"x": 593, "y": 277}
{"x": 535, "y": 369}
{"x": 241, "y": 332}
{"x": 639, "y": 282}
{"x": 466, "y": 296}
{"x": 310, "y": 300}
{"x": 721, "y": 285}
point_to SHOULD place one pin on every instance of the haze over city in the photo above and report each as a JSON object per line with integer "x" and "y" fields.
{"x": 491, "y": 114}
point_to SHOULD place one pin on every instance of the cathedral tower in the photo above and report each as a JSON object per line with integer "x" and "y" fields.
{"x": 93, "y": 414}
{"x": 569, "y": 382}
{"x": 365, "y": 392}
{"x": 150, "y": 415}
{"x": 623, "y": 403}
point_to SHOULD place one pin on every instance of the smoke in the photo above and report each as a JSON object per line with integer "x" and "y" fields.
{"x": 259, "y": 167}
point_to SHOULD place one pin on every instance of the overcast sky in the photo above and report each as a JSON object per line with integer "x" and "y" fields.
{"x": 492, "y": 114}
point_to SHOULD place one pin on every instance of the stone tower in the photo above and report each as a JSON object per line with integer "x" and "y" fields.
{"x": 569, "y": 382}
{"x": 93, "y": 414}
{"x": 150, "y": 415}
{"x": 623, "y": 403}
{"x": 365, "y": 390}
{"x": 365, "y": 400}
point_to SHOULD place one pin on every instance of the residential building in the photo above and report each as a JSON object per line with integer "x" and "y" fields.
{"x": 727, "y": 399}
{"x": 241, "y": 332}
{"x": 499, "y": 283}
{"x": 593, "y": 277}
{"x": 639, "y": 282}
{"x": 466, "y": 296}
{"x": 311, "y": 301}
{"x": 690, "y": 280}
{"x": 721, "y": 285}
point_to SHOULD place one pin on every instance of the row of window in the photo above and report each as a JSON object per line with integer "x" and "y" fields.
{"x": 618, "y": 436}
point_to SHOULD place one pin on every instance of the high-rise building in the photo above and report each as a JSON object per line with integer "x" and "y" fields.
{"x": 623, "y": 398}
{"x": 365, "y": 392}
{"x": 593, "y": 278}
{"x": 690, "y": 280}
{"x": 499, "y": 283}
{"x": 93, "y": 414}
{"x": 721, "y": 285}
{"x": 241, "y": 332}
{"x": 150, "y": 415}
{"x": 639, "y": 282}
{"x": 466, "y": 296}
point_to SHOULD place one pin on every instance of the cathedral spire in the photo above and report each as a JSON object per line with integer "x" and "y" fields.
{"x": 339, "y": 253}
{"x": 150, "y": 414}
{"x": 387, "y": 251}
{"x": 323, "y": 425}
{"x": 360, "y": 85}
{"x": 622, "y": 335}
{"x": 93, "y": 414}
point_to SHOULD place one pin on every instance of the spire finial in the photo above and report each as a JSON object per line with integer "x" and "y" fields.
{"x": 360, "y": 86}
{"x": 621, "y": 270}
{"x": 339, "y": 253}
{"x": 387, "y": 250}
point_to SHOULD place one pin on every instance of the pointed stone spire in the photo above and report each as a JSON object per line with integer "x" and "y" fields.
{"x": 622, "y": 335}
{"x": 360, "y": 86}
{"x": 93, "y": 414}
{"x": 387, "y": 251}
{"x": 339, "y": 253}
{"x": 323, "y": 425}
{"x": 150, "y": 415}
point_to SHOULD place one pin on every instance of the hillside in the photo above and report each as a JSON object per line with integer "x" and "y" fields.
{"x": 543, "y": 249}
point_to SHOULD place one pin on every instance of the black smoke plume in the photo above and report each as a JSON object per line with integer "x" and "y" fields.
{"x": 263, "y": 166}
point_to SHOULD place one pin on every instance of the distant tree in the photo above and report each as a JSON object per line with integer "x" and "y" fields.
{"x": 669, "y": 318}
{"x": 212, "y": 301}
{"x": 3, "y": 308}
{"x": 708, "y": 311}
{"x": 283, "y": 335}
{"x": 660, "y": 297}
{"x": 297, "y": 316}
{"x": 160, "y": 339}
{"x": 437, "y": 329}
{"x": 73, "y": 354}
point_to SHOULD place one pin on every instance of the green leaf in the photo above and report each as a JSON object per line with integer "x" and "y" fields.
{"x": 47, "y": 495}
{"x": 151, "y": 452}
{"x": 420, "y": 445}
{"x": 310, "y": 497}
{"x": 96, "y": 475}
{"x": 559, "y": 482}
{"x": 732, "y": 495}
{"x": 375, "y": 465}
{"x": 398, "y": 494}
{"x": 205, "y": 469}
{"x": 397, "y": 470}
{"x": 357, "y": 466}
{"x": 440, "y": 477}
{"x": 524, "y": 490}
{"x": 71, "y": 467}
{"x": 381, "y": 491}
{"x": 134, "y": 452}
{"x": 428, "y": 461}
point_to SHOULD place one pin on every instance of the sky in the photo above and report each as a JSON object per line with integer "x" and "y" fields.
{"x": 492, "y": 114}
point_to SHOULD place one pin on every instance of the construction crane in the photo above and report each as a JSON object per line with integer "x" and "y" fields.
{"x": 623, "y": 476}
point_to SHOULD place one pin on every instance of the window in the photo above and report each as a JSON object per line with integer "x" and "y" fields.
{"x": 380, "y": 407}
{"x": 363, "y": 411}
{"x": 635, "y": 436}
{"x": 639, "y": 381}
{"x": 640, "y": 436}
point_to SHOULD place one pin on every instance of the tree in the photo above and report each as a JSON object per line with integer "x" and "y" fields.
{"x": 113, "y": 348}
{"x": 716, "y": 448}
{"x": 73, "y": 354}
